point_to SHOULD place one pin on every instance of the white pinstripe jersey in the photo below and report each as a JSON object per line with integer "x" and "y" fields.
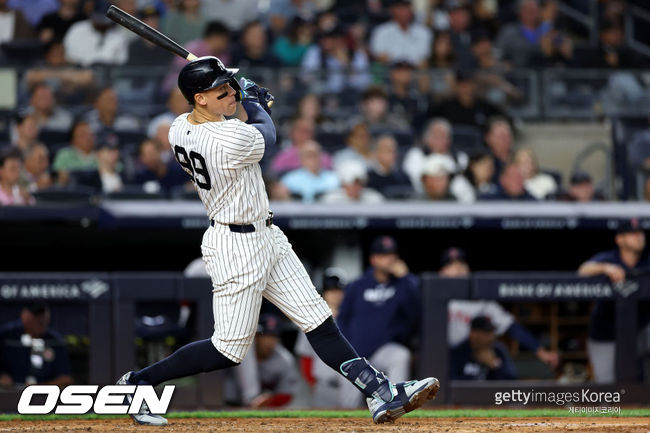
{"x": 222, "y": 159}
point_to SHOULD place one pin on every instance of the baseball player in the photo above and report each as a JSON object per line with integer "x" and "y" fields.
{"x": 247, "y": 256}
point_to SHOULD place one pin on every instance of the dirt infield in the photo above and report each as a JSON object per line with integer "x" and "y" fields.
{"x": 342, "y": 425}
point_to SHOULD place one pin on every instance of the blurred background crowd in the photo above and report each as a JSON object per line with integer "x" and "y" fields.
{"x": 376, "y": 100}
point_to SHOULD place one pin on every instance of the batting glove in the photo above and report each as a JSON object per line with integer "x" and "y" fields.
{"x": 250, "y": 91}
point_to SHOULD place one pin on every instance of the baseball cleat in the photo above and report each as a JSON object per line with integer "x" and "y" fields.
{"x": 144, "y": 415}
{"x": 407, "y": 396}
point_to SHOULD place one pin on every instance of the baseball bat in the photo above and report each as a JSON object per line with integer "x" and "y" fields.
{"x": 152, "y": 35}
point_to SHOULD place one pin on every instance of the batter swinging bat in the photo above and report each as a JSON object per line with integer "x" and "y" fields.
{"x": 152, "y": 35}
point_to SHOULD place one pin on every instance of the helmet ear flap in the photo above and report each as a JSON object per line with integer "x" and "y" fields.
{"x": 236, "y": 87}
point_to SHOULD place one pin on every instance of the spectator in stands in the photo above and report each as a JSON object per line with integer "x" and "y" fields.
{"x": 253, "y": 50}
{"x": 511, "y": 186}
{"x": 436, "y": 176}
{"x": 215, "y": 42}
{"x": 342, "y": 66}
{"x": 235, "y": 13}
{"x": 481, "y": 356}
{"x": 267, "y": 376}
{"x": 581, "y": 189}
{"x": 618, "y": 265}
{"x": 71, "y": 83}
{"x": 405, "y": 100}
{"x": 353, "y": 176}
{"x": 185, "y": 24}
{"x": 36, "y": 168}
{"x": 25, "y": 133}
{"x": 11, "y": 192}
{"x": 442, "y": 53}
{"x": 45, "y": 110}
{"x": 385, "y": 175}
{"x": 357, "y": 143}
{"x": 79, "y": 155}
{"x": 612, "y": 51}
{"x": 97, "y": 40}
{"x": 176, "y": 105}
{"x": 291, "y": 47}
{"x": 311, "y": 179}
{"x": 540, "y": 185}
{"x": 105, "y": 117}
{"x": 460, "y": 22}
{"x": 327, "y": 388}
{"x": 436, "y": 140}
{"x": 310, "y": 108}
{"x": 108, "y": 159}
{"x": 499, "y": 140}
{"x": 380, "y": 311}
{"x": 31, "y": 353}
{"x": 302, "y": 131}
{"x": 154, "y": 174}
{"x": 461, "y": 312}
{"x": 34, "y": 10}
{"x": 276, "y": 190}
{"x": 401, "y": 38}
{"x": 476, "y": 179}
{"x": 464, "y": 108}
{"x": 141, "y": 51}
{"x": 281, "y": 12}
{"x": 375, "y": 112}
{"x": 13, "y": 24}
{"x": 54, "y": 25}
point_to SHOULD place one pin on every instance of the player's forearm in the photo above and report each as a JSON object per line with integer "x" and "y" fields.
{"x": 523, "y": 336}
{"x": 261, "y": 120}
{"x": 590, "y": 269}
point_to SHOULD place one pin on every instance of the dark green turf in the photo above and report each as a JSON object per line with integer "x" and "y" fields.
{"x": 442, "y": 413}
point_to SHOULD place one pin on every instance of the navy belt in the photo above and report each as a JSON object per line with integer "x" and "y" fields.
{"x": 245, "y": 228}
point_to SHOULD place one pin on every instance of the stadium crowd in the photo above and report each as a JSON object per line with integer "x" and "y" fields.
{"x": 360, "y": 119}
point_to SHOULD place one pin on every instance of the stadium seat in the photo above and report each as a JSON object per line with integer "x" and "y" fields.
{"x": 134, "y": 192}
{"x": 68, "y": 194}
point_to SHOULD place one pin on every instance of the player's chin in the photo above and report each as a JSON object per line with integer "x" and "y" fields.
{"x": 232, "y": 108}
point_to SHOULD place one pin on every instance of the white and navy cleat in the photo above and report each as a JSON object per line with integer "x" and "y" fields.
{"x": 407, "y": 396}
{"x": 144, "y": 415}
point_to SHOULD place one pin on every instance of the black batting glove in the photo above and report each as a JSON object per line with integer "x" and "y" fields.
{"x": 250, "y": 91}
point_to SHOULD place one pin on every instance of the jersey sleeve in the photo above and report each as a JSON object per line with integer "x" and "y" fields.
{"x": 242, "y": 144}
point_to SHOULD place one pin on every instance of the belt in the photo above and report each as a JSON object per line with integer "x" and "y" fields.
{"x": 247, "y": 228}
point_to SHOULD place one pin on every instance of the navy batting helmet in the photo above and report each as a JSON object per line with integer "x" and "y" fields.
{"x": 203, "y": 74}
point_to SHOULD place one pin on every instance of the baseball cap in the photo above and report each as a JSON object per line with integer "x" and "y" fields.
{"x": 482, "y": 323}
{"x": 456, "y": 4}
{"x": 398, "y": 2}
{"x": 37, "y": 307}
{"x": 383, "y": 245}
{"x": 629, "y": 226}
{"x": 580, "y": 177}
{"x": 148, "y": 12}
{"x": 269, "y": 324}
{"x": 402, "y": 64}
{"x": 333, "y": 278}
{"x": 437, "y": 165}
{"x": 350, "y": 171}
{"x": 453, "y": 254}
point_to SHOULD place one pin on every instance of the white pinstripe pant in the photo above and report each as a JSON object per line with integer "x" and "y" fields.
{"x": 244, "y": 267}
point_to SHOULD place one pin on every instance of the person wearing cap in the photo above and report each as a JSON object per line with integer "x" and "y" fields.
{"x": 404, "y": 98}
{"x": 342, "y": 66}
{"x": 481, "y": 356}
{"x": 380, "y": 312}
{"x": 31, "y": 353}
{"x": 328, "y": 389}
{"x": 401, "y": 38}
{"x": 353, "y": 177}
{"x": 311, "y": 179}
{"x": 267, "y": 376}
{"x": 462, "y": 311}
{"x": 581, "y": 189}
{"x": 436, "y": 175}
{"x": 617, "y": 265}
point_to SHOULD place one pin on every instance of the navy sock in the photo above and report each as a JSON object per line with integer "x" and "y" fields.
{"x": 197, "y": 357}
{"x": 330, "y": 345}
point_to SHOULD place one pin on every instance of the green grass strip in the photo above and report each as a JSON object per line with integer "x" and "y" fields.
{"x": 441, "y": 413}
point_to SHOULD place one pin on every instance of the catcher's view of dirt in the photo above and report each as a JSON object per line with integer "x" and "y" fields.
{"x": 341, "y": 425}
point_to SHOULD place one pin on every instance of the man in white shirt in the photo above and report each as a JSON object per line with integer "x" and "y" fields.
{"x": 96, "y": 40}
{"x": 401, "y": 39}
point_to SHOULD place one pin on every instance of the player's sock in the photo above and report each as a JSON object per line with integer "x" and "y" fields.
{"x": 335, "y": 350}
{"x": 197, "y": 357}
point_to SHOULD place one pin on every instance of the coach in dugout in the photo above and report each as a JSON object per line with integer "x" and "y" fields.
{"x": 30, "y": 353}
{"x": 617, "y": 265}
{"x": 380, "y": 311}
